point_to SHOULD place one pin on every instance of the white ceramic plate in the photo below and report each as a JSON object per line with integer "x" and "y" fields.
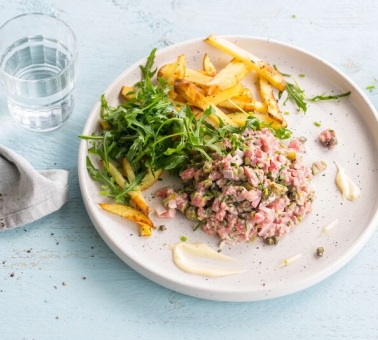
{"x": 355, "y": 122}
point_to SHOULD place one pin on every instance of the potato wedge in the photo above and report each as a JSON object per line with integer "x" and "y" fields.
{"x": 127, "y": 212}
{"x": 270, "y": 101}
{"x": 135, "y": 195}
{"x": 208, "y": 66}
{"x": 228, "y": 77}
{"x": 226, "y": 94}
{"x": 195, "y": 97}
{"x": 252, "y": 62}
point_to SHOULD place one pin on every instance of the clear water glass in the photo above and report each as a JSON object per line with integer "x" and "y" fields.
{"x": 38, "y": 70}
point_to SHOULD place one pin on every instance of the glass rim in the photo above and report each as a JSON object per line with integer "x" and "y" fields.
{"x": 70, "y": 63}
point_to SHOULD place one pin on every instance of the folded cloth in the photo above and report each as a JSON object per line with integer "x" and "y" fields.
{"x": 26, "y": 194}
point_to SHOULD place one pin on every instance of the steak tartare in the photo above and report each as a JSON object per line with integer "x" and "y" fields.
{"x": 258, "y": 188}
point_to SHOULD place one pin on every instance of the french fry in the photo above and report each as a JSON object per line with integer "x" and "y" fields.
{"x": 226, "y": 94}
{"x": 252, "y": 62}
{"x": 179, "y": 72}
{"x": 128, "y": 169}
{"x": 245, "y": 96}
{"x": 264, "y": 118}
{"x": 194, "y": 96}
{"x": 270, "y": 101}
{"x": 145, "y": 229}
{"x": 197, "y": 112}
{"x": 166, "y": 71}
{"x": 150, "y": 179}
{"x": 241, "y": 117}
{"x": 208, "y": 66}
{"x": 235, "y": 104}
{"x": 196, "y": 77}
{"x": 135, "y": 195}
{"x": 191, "y": 93}
{"x": 126, "y": 92}
{"x": 229, "y": 76}
{"x": 127, "y": 212}
{"x": 113, "y": 171}
{"x": 171, "y": 72}
{"x": 105, "y": 125}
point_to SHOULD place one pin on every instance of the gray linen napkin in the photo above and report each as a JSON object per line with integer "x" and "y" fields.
{"x": 26, "y": 194}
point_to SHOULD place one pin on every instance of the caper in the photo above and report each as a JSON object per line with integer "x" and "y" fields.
{"x": 269, "y": 241}
{"x": 248, "y": 186}
{"x": 320, "y": 251}
{"x": 191, "y": 213}
{"x": 272, "y": 240}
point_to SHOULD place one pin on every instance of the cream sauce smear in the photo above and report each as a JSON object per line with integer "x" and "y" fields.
{"x": 200, "y": 259}
{"x": 347, "y": 187}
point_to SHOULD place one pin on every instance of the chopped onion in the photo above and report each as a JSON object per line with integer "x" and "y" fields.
{"x": 160, "y": 209}
{"x": 318, "y": 166}
{"x": 228, "y": 174}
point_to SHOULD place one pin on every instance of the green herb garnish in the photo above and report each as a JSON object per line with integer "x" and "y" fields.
{"x": 370, "y": 88}
{"x": 199, "y": 225}
{"x": 296, "y": 94}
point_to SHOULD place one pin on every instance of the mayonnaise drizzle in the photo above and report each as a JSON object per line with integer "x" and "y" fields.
{"x": 347, "y": 187}
{"x": 198, "y": 258}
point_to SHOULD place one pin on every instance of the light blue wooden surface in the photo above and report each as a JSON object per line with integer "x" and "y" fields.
{"x": 113, "y": 301}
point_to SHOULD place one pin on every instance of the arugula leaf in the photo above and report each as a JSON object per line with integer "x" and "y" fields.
{"x": 318, "y": 98}
{"x": 296, "y": 94}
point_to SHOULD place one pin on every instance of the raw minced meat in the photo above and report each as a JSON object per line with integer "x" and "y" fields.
{"x": 328, "y": 138}
{"x": 258, "y": 189}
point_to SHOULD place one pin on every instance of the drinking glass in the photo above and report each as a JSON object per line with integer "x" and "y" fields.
{"x": 38, "y": 70}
